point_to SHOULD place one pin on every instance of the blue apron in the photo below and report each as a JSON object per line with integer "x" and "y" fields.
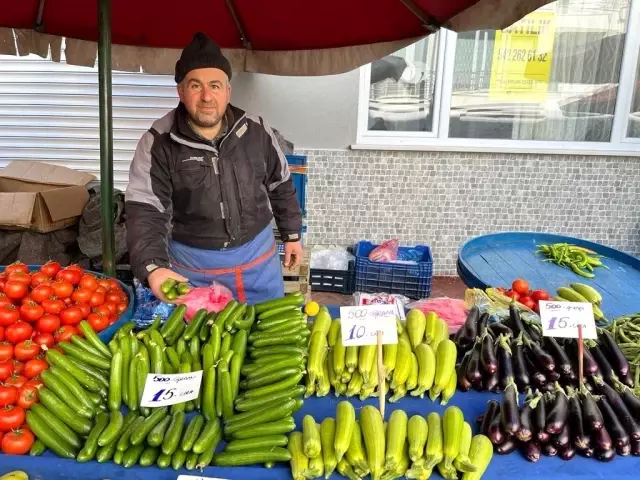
{"x": 252, "y": 271}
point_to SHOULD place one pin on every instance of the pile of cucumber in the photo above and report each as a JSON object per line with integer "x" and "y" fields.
{"x": 173, "y": 289}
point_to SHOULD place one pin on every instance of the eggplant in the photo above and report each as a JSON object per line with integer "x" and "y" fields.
{"x": 492, "y": 382}
{"x": 479, "y": 385}
{"x": 473, "y": 372}
{"x": 571, "y": 379}
{"x": 558, "y": 416}
{"x": 532, "y": 451}
{"x": 579, "y": 438}
{"x": 507, "y": 447}
{"x": 539, "y": 379}
{"x": 482, "y": 325}
{"x": 635, "y": 448}
{"x": 520, "y": 372}
{"x": 516, "y": 322}
{"x": 464, "y": 383}
{"x": 627, "y": 380}
{"x": 591, "y": 415}
{"x": 602, "y": 439}
{"x": 505, "y": 361}
{"x": 498, "y": 329}
{"x": 553, "y": 376}
{"x": 589, "y": 452}
{"x": 614, "y": 427}
{"x": 542, "y": 358}
{"x": 540, "y": 420}
{"x": 563, "y": 364}
{"x": 466, "y": 335}
{"x": 488, "y": 354}
{"x": 624, "y": 451}
{"x": 532, "y": 332}
{"x": 563, "y": 439}
{"x": 618, "y": 360}
{"x": 493, "y": 411}
{"x": 509, "y": 412}
{"x": 631, "y": 401}
{"x": 605, "y": 367}
{"x": 549, "y": 450}
{"x": 527, "y": 419}
{"x": 622, "y": 412}
{"x": 605, "y": 455}
{"x": 496, "y": 432}
{"x": 567, "y": 453}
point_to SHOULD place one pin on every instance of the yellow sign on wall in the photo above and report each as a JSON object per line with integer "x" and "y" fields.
{"x": 522, "y": 55}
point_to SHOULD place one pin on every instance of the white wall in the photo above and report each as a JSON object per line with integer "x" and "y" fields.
{"x": 312, "y": 112}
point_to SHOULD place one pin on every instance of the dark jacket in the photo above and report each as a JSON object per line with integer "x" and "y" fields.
{"x": 206, "y": 194}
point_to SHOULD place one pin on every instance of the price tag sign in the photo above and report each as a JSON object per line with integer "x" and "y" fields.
{"x": 191, "y": 477}
{"x": 161, "y": 390}
{"x": 360, "y": 324}
{"x": 561, "y": 319}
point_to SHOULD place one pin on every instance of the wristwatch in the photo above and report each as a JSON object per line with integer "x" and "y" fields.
{"x": 291, "y": 237}
{"x": 152, "y": 265}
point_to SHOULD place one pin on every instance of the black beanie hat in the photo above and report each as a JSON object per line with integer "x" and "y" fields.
{"x": 202, "y": 52}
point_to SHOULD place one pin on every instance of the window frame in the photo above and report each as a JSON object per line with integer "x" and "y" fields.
{"x": 620, "y": 144}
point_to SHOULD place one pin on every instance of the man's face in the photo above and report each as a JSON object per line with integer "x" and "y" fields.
{"x": 205, "y": 92}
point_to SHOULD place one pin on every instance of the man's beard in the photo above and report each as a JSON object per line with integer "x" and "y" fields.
{"x": 206, "y": 121}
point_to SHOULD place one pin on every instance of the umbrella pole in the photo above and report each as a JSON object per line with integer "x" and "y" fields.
{"x": 106, "y": 137}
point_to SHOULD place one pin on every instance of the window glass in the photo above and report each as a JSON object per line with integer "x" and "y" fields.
{"x": 401, "y": 95}
{"x": 552, "y": 76}
{"x": 634, "y": 116}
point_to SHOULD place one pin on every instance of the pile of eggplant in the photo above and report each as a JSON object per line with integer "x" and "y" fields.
{"x": 492, "y": 352}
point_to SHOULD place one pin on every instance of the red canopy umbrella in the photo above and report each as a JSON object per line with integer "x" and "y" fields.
{"x": 282, "y": 37}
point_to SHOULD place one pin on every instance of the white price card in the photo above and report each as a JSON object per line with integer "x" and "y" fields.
{"x": 165, "y": 389}
{"x": 360, "y": 324}
{"x": 561, "y": 319}
{"x": 191, "y": 477}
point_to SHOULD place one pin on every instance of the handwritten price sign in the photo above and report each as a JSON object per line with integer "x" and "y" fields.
{"x": 161, "y": 390}
{"x": 360, "y": 324}
{"x": 561, "y": 319}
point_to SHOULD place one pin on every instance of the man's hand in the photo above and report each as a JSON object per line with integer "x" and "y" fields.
{"x": 158, "y": 277}
{"x": 292, "y": 254}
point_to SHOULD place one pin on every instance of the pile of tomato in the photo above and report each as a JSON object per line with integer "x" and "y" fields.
{"x": 38, "y": 309}
{"x": 522, "y": 293}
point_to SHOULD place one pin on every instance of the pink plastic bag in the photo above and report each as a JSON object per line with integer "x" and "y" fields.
{"x": 387, "y": 252}
{"x": 451, "y": 310}
{"x": 212, "y": 298}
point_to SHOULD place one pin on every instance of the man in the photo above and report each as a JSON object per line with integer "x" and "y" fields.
{"x": 205, "y": 182}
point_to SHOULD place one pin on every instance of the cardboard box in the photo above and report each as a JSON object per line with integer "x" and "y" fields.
{"x": 40, "y": 196}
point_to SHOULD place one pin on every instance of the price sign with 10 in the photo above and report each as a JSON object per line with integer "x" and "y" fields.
{"x": 360, "y": 325}
{"x": 561, "y": 319}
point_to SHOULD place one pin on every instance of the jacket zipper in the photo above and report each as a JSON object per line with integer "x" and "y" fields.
{"x": 218, "y": 169}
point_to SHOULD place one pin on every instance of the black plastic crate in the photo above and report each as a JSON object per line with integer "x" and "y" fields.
{"x": 338, "y": 281}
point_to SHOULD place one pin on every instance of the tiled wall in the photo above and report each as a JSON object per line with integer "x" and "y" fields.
{"x": 443, "y": 199}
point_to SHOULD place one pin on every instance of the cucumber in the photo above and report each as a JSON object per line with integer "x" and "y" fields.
{"x": 247, "y": 404}
{"x": 52, "y": 382}
{"x": 116, "y": 380}
{"x": 194, "y": 347}
{"x": 138, "y": 436}
{"x": 192, "y": 432}
{"x": 149, "y": 456}
{"x": 168, "y": 285}
{"x": 87, "y": 347}
{"x": 284, "y": 339}
{"x": 134, "y": 395}
{"x": 268, "y": 359}
{"x": 142, "y": 369}
{"x": 156, "y": 435}
{"x": 157, "y": 321}
{"x": 125, "y": 438}
{"x": 156, "y": 357}
{"x": 132, "y": 455}
{"x": 91, "y": 337}
{"x": 126, "y": 329}
{"x": 208, "y": 393}
{"x": 235, "y": 316}
{"x": 215, "y": 340}
{"x": 226, "y": 344}
{"x": 118, "y": 456}
{"x": 155, "y": 337}
{"x": 256, "y": 443}
{"x": 189, "y": 406}
{"x": 173, "y": 321}
{"x": 291, "y": 299}
{"x": 113, "y": 429}
{"x": 113, "y": 345}
{"x": 89, "y": 382}
{"x": 193, "y": 329}
{"x": 125, "y": 349}
{"x": 163, "y": 461}
{"x": 278, "y": 350}
{"x": 256, "y": 417}
{"x": 289, "y": 318}
{"x": 178, "y": 459}
{"x": 91, "y": 444}
{"x": 173, "y": 357}
{"x": 274, "y": 454}
{"x": 272, "y": 312}
{"x": 287, "y": 362}
{"x": 206, "y": 457}
{"x": 49, "y": 437}
{"x": 186, "y": 358}
{"x": 300, "y": 328}
{"x": 181, "y": 347}
{"x": 226, "y": 392}
{"x": 180, "y": 407}
{"x": 176, "y": 334}
{"x": 270, "y": 378}
{"x": 174, "y": 433}
{"x": 249, "y": 318}
{"x": 37, "y": 448}
{"x": 100, "y": 375}
{"x": 84, "y": 356}
{"x": 60, "y": 409}
{"x": 282, "y": 426}
{"x": 275, "y": 387}
{"x": 192, "y": 461}
{"x": 208, "y": 435}
{"x": 221, "y": 319}
{"x": 77, "y": 390}
{"x": 106, "y": 453}
{"x": 205, "y": 328}
{"x": 68, "y": 436}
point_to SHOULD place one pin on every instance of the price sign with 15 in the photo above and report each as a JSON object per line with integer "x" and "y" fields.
{"x": 360, "y": 324}
{"x": 161, "y": 390}
{"x": 561, "y": 319}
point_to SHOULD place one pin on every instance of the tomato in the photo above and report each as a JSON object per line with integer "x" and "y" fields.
{"x": 35, "y": 382}
{"x": 113, "y": 284}
{"x": 52, "y": 305}
{"x": 6, "y": 369}
{"x": 1, "y": 334}
{"x": 17, "y": 367}
{"x": 527, "y": 302}
{"x": 71, "y": 316}
{"x": 38, "y": 278}
{"x": 86, "y": 309}
{"x": 113, "y": 297}
{"x": 520, "y": 286}
{"x": 64, "y": 333}
{"x": 69, "y": 275}
{"x": 16, "y": 267}
{"x": 16, "y": 380}
{"x": 18, "y": 332}
{"x": 98, "y": 322}
{"x": 81, "y": 295}
{"x": 62, "y": 289}
{"x": 27, "y": 396}
{"x": 76, "y": 267}
{"x": 48, "y": 324}
{"x": 104, "y": 283}
{"x": 20, "y": 277}
{"x": 6, "y": 351}
{"x": 50, "y": 269}
{"x": 3, "y": 298}
{"x": 26, "y": 350}
{"x": 89, "y": 282}
{"x": 514, "y": 295}
{"x": 122, "y": 307}
{"x": 8, "y": 395}
{"x": 9, "y": 315}
{"x": 31, "y": 311}
{"x": 35, "y": 367}
{"x": 15, "y": 290}
{"x": 17, "y": 442}
{"x": 45, "y": 339}
{"x": 96, "y": 299}
{"x": 67, "y": 302}
{"x": 11, "y": 418}
{"x": 106, "y": 310}
{"x": 41, "y": 293}
{"x": 101, "y": 291}
{"x": 538, "y": 295}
